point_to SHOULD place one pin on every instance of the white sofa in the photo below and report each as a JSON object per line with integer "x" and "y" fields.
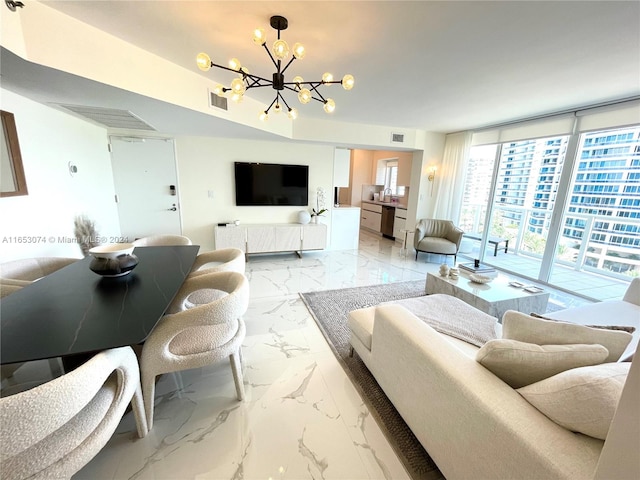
{"x": 625, "y": 312}
{"x": 473, "y": 424}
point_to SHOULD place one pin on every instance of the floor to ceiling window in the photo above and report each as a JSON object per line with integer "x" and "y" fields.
{"x": 566, "y": 204}
{"x": 601, "y": 224}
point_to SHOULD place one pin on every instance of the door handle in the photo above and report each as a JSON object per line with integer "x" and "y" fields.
{"x": 173, "y": 209}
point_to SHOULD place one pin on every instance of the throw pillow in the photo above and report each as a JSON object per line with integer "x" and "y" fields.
{"x": 525, "y": 328}
{"x": 583, "y": 399}
{"x": 624, "y": 328}
{"x": 519, "y": 363}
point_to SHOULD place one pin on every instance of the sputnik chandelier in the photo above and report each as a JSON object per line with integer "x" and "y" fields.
{"x": 306, "y": 91}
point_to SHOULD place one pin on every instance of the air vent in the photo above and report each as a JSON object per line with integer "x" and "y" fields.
{"x": 397, "y": 137}
{"x": 217, "y": 101}
{"x": 110, "y": 117}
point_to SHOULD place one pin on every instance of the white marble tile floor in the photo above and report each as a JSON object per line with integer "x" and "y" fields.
{"x": 302, "y": 417}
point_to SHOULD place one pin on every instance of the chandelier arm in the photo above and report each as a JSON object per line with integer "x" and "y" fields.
{"x": 314, "y": 88}
{"x": 284, "y": 101}
{"x": 271, "y": 56}
{"x": 287, "y": 65}
{"x": 255, "y": 81}
{"x": 224, "y": 68}
{"x": 269, "y": 107}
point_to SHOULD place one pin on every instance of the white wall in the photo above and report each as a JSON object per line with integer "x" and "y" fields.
{"x": 49, "y": 140}
{"x": 206, "y": 164}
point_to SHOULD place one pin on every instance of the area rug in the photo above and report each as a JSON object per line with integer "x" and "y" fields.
{"x": 330, "y": 308}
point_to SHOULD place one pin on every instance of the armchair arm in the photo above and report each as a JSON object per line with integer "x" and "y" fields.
{"x": 455, "y": 235}
{"x": 421, "y": 230}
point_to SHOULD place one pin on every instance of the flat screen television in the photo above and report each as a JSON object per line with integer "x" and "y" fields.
{"x": 271, "y": 184}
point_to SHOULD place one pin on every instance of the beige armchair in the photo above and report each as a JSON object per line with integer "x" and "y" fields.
{"x": 53, "y": 430}
{"x": 198, "y": 336}
{"x": 437, "y": 236}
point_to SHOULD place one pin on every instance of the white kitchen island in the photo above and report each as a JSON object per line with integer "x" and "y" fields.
{"x": 345, "y": 228}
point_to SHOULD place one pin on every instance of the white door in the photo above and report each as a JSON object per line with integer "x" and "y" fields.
{"x": 145, "y": 179}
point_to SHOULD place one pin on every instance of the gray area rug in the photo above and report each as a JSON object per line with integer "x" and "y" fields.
{"x": 330, "y": 308}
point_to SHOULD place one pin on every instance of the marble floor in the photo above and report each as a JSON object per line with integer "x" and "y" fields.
{"x": 302, "y": 418}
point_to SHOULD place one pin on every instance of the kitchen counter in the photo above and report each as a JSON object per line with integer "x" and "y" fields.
{"x": 386, "y": 204}
{"x": 344, "y": 207}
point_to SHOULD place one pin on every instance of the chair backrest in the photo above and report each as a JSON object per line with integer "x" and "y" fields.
{"x": 435, "y": 227}
{"x": 31, "y": 269}
{"x": 53, "y": 430}
{"x": 222, "y": 260}
{"x": 231, "y": 302}
{"x": 162, "y": 240}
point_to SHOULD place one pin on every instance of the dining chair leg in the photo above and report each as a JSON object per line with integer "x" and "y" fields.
{"x": 236, "y": 368}
{"x": 148, "y": 394}
{"x": 139, "y": 413}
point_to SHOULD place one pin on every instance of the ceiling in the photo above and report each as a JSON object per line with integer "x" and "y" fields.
{"x": 435, "y": 66}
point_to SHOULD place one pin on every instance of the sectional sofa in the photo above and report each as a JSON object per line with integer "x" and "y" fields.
{"x": 472, "y": 422}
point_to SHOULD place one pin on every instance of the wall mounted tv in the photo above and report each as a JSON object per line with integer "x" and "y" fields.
{"x": 271, "y": 184}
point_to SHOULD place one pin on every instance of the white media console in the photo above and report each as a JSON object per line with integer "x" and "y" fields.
{"x": 272, "y": 238}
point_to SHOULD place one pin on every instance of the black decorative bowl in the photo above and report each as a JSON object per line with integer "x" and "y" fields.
{"x": 114, "y": 260}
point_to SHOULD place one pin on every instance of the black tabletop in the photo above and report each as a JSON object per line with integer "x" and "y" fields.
{"x": 75, "y": 311}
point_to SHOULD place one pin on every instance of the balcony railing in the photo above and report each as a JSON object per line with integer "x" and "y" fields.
{"x": 592, "y": 243}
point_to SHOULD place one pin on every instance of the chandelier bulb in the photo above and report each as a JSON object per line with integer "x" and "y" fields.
{"x": 280, "y": 49}
{"x": 238, "y": 86}
{"x": 299, "y": 51}
{"x": 203, "y": 61}
{"x": 219, "y": 90}
{"x": 348, "y": 82}
{"x": 234, "y": 64}
{"x": 259, "y": 37}
{"x": 304, "y": 95}
{"x": 327, "y": 77}
{"x": 298, "y": 81}
{"x": 292, "y": 113}
{"x": 264, "y": 116}
{"x": 237, "y": 97}
{"x": 277, "y": 108}
{"x": 329, "y": 105}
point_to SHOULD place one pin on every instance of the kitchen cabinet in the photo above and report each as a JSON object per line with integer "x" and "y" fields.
{"x": 371, "y": 216}
{"x": 399, "y": 223}
{"x": 404, "y": 172}
{"x": 341, "y": 166}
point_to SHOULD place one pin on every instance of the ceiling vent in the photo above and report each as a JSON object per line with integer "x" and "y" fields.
{"x": 397, "y": 137}
{"x": 217, "y": 101}
{"x": 110, "y": 117}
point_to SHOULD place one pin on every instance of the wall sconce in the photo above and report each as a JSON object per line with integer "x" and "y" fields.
{"x": 432, "y": 174}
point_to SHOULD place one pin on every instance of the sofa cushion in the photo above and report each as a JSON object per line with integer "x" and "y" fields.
{"x": 519, "y": 363}
{"x": 525, "y": 328}
{"x": 582, "y": 399}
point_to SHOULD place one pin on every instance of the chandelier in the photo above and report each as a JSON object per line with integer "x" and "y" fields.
{"x": 306, "y": 91}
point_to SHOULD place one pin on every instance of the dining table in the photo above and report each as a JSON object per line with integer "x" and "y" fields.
{"x": 74, "y": 312}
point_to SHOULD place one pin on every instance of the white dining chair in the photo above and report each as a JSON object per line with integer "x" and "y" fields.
{"x": 222, "y": 260}
{"x": 199, "y": 336}
{"x": 54, "y": 429}
{"x": 30, "y": 269}
{"x": 162, "y": 240}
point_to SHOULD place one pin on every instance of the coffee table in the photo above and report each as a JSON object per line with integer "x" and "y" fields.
{"x": 494, "y": 298}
